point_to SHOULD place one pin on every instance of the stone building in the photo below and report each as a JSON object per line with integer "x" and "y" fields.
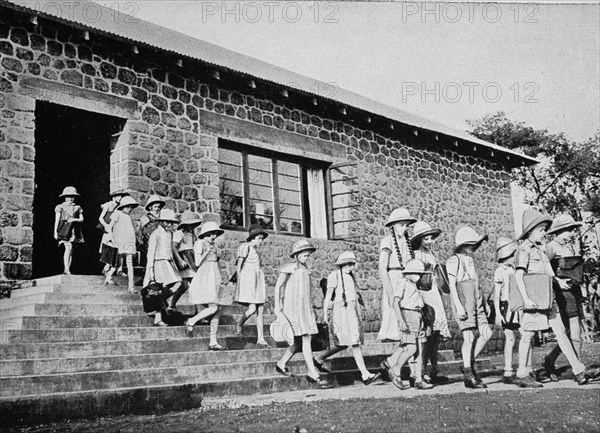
{"x": 96, "y": 99}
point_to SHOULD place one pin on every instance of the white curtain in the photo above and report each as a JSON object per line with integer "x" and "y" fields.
{"x": 316, "y": 203}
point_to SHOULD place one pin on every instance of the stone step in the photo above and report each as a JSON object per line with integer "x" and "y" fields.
{"x": 83, "y": 381}
{"x": 68, "y": 279}
{"x": 92, "y": 289}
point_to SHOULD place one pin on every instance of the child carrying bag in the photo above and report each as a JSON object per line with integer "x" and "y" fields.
{"x": 569, "y": 267}
{"x": 154, "y": 297}
{"x": 467, "y": 290}
{"x": 538, "y": 287}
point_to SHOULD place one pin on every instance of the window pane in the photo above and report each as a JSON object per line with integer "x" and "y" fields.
{"x": 290, "y": 203}
{"x": 260, "y": 181}
{"x": 231, "y": 188}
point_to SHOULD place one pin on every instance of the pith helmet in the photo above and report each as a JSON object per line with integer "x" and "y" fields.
{"x": 302, "y": 245}
{"x": 69, "y": 191}
{"x": 154, "y": 199}
{"x": 561, "y": 222}
{"x": 400, "y": 214}
{"x": 505, "y": 247}
{"x": 168, "y": 215}
{"x": 467, "y": 236}
{"x": 255, "y": 230}
{"x": 119, "y": 191}
{"x": 345, "y": 258}
{"x": 189, "y": 218}
{"x": 421, "y": 230}
{"x": 128, "y": 201}
{"x": 532, "y": 218}
{"x": 210, "y": 227}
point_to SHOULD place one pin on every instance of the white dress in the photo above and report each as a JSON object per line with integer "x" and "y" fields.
{"x": 205, "y": 286}
{"x": 345, "y": 319}
{"x": 297, "y": 305}
{"x": 123, "y": 233}
{"x": 433, "y": 297}
{"x": 251, "y": 288}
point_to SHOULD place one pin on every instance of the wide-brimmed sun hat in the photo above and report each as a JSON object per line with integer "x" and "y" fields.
{"x": 168, "y": 215}
{"x": 421, "y": 230}
{"x": 69, "y": 191}
{"x": 254, "y": 230}
{"x": 563, "y": 222}
{"x": 505, "y": 247}
{"x": 400, "y": 214}
{"x": 189, "y": 218}
{"x": 467, "y": 236}
{"x": 128, "y": 201}
{"x": 533, "y": 218}
{"x": 152, "y": 200}
{"x": 210, "y": 227}
{"x": 346, "y": 258}
{"x": 415, "y": 266}
{"x": 119, "y": 191}
{"x": 302, "y": 245}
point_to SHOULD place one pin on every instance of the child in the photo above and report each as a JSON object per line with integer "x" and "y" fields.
{"x": 295, "y": 304}
{"x": 160, "y": 266}
{"x": 408, "y": 305}
{"x": 204, "y": 288}
{"x": 184, "y": 240}
{"x": 123, "y": 235}
{"x": 108, "y": 253}
{"x": 422, "y": 242}
{"x": 394, "y": 252}
{"x": 509, "y": 320}
{"x": 149, "y": 222}
{"x": 342, "y": 295}
{"x": 569, "y": 302}
{"x": 251, "y": 287}
{"x": 67, "y": 219}
{"x": 467, "y": 302}
{"x": 531, "y": 259}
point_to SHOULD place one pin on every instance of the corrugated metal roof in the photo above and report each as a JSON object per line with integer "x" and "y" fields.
{"x": 95, "y": 17}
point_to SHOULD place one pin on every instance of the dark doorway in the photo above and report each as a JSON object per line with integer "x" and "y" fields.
{"x": 72, "y": 149}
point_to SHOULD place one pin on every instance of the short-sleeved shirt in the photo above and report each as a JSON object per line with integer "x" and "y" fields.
{"x": 334, "y": 281}
{"x": 387, "y": 243}
{"x": 408, "y": 295}
{"x": 532, "y": 259}
{"x": 560, "y": 248}
{"x": 461, "y": 267}
{"x": 502, "y": 278}
{"x": 184, "y": 240}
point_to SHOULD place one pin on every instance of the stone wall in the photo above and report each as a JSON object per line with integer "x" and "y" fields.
{"x": 165, "y": 149}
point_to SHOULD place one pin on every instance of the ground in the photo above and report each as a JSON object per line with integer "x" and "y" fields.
{"x": 558, "y": 407}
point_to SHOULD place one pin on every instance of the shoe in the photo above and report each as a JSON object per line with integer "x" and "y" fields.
{"x": 238, "y": 329}
{"x": 390, "y": 371}
{"x": 323, "y": 384}
{"x": 285, "y": 371}
{"x": 592, "y": 373}
{"x": 423, "y": 385}
{"x": 581, "y": 378}
{"x": 161, "y": 324}
{"x": 527, "y": 382}
{"x": 371, "y": 379}
{"x": 549, "y": 372}
{"x": 412, "y": 381}
{"x": 321, "y": 366}
{"x": 109, "y": 282}
{"x": 215, "y": 347}
{"x": 399, "y": 383}
{"x": 509, "y": 380}
{"x": 478, "y": 380}
{"x": 263, "y": 345}
{"x": 131, "y": 290}
{"x": 426, "y": 378}
{"x": 189, "y": 329}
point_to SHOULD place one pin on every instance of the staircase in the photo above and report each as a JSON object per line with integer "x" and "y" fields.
{"x": 71, "y": 347}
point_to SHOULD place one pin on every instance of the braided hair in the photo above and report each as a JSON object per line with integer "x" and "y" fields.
{"x": 397, "y": 247}
{"x": 343, "y": 287}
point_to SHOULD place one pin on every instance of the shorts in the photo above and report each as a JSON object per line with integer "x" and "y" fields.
{"x": 414, "y": 322}
{"x": 472, "y": 302}
{"x": 570, "y": 302}
{"x": 538, "y": 320}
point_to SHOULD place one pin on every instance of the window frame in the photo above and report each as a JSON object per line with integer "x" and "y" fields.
{"x": 302, "y": 163}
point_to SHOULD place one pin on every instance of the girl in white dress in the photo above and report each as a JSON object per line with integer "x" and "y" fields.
{"x": 394, "y": 253}
{"x": 123, "y": 235}
{"x": 342, "y": 296}
{"x": 184, "y": 240}
{"x": 295, "y": 305}
{"x": 67, "y": 230}
{"x": 251, "y": 287}
{"x": 204, "y": 288}
{"x": 422, "y": 242}
{"x": 109, "y": 255}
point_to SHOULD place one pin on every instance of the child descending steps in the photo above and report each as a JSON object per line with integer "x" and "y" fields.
{"x": 123, "y": 235}
{"x": 149, "y": 222}
{"x": 422, "y": 243}
{"x": 343, "y": 297}
{"x": 408, "y": 305}
{"x": 184, "y": 240}
{"x": 160, "y": 266}
{"x": 67, "y": 230}
{"x": 394, "y": 253}
{"x": 292, "y": 300}
{"x": 467, "y": 302}
{"x": 508, "y": 320}
{"x": 251, "y": 287}
{"x": 109, "y": 255}
{"x": 205, "y": 286}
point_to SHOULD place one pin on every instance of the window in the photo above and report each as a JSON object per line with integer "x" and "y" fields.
{"x": 284, "y": 194}
{"x": 345, "y": 205}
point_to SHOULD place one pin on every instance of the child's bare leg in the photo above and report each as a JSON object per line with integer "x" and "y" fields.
{"x": 407, "y": 352}
{"x": 185, "y": 284}
{"x": 129, "y": 261}
{"x": 509, "y": 344}
{"x": 158, "y": 317}
{"x": 565, "y": 344}
{"x": 67, "y": 257}
{"x": 394, "y": 357}
{"x": 525, "y": 353}
{"x": 109, "y": 274}
{"x": 214, "y": 327}
{"x": 207, "y": 312}
{"x": 288, "y": 354}
{"x": 260, "y": 324}
{"x": 467, "y": 348}
{"x": 308, "y": 356}
{"x": 418, "y": 365}
{"x": 327, "y": 353}
{"x": 485, "y": 333}
{"x": 575, "y": 334}
{"x": 249, "y": 312}
{"x": 360, "y": 362}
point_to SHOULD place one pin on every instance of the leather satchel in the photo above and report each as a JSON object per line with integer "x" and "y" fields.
{"x": 441, "y": 278}
{"x": 425, "y": 283}
{"x": 538, "y": 288}
{"x": 63, "y": 230}
{"x": 569, "y": 267}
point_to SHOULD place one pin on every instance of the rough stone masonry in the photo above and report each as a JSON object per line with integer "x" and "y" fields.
{"x": 167, "y": 149}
